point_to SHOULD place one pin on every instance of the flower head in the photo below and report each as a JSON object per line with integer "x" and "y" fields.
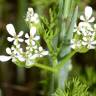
{"x": 84, "y": 37}
{"x": 31, "y": 16}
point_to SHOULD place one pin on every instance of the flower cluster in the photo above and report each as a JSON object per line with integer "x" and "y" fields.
{"x": 84, "y": 37}
{"x": 31, "y": 16}
{"x": 32, "y": 50}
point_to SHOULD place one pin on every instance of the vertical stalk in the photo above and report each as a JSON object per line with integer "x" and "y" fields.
{"x": 65, "y": 23}
{"x": 53, "y": 81}
{"x": 22, "y": 6}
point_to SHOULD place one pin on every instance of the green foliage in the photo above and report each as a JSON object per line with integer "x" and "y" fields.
{"x": 50, "y": 31}
{"x": 73, "y": 88}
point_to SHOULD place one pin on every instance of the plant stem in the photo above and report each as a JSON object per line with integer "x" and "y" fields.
{"x": 46, "y": 67}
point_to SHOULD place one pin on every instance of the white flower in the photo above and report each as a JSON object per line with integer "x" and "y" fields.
{"x": 11, "y": 30}
{"x": 31, "y": 16}
{"x": 75, "y": 44}
{"x": 42, "y": 52}
{"x": 88, "y": 15}
{"x": 33, "y": 37}
{"x": 89, "y": 42}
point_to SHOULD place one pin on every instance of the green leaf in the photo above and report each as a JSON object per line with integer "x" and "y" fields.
{"x": 71, "y": 28}
{"x": 74, "y": 87}
{"x": 67, "y": 8}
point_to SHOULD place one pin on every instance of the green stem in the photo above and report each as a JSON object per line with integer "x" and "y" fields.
{"x": 46, "y": 67}
{"x": 65, "y": 59}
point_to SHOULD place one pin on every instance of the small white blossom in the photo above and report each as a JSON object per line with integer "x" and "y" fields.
{"x": 31, "y": 16}
{"x": 90, "y": 42}
{"x": 75, "y": 44}
{"x": 11, "y": 30}
{"x": 88, "y": 15}
{"x": 33, "y": 37}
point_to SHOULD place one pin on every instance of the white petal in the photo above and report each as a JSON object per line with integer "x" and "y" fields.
{"x": 40, "y": 49}
{"x": 10, "y": 39}
{"x": 12, "y": 48}
{"x": 34, "y": 56}
{"x": 36, "y": 21}
{"x": 10, "y": 29}
{"x": 35, "y": 47}
{"x": 20, "y": 33}
{"x": 15, "y": 42}
{"x": 95, "y": 26}
{"x": 44, "y": 52}
{"x": 82, "y": 18}
{"x": 8, "y": 51}
{"x": 72, "y": 41}
{"x": 90, "y": 47}
{"x": 84, "y": 43}
{"x": 22, "y": 59}
{"x": 27, "y": 41}
{"x": 33, "y": 31}
{"x": 88, "y": 12}
{"x": 85, "y": 39}
{"x": 92, "y": 19}
{"x": 30, "y": 10}
{"x": 18, "y": 46}
{"x": 73, "y": 46}
{"x": 36, "y": 38}
{"x": 94, "y": 42}
{"x": 36, "y": 15}
{"x": 33, "y": 43}
{"x": 26, "y": 35}
{"x": 78, "y": 32}
{"x": 4, "y": 58}
{"x": 36, "y": 51}
{"x": 20, "y": 40}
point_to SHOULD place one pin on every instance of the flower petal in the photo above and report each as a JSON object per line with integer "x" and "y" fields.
{"x": 11, "y": 30}
{"x": 15, "y": 42}
{"x": 92, "y": 19}
{"x": 22, "y": 59}
{"x": 31, "y": 10}
{"x": 84, "y": 43}
{"x": 27, "y": 41}
{"x": 82, "y": 18}
{"x": 88, "y": 12}
{"x": 34, "y": 56}
{"x": 44, "y": 52}
{"x": 4, "y": 58}
{"x": 33, "y": 43}
{"x": 8, "y": 51}
{"x": 73, "y": 46}
{"x": 26, "y": 35}
{"x": 93, "y": 42}
{"x": 33, "y": 31}
{"x": 40, "y": 49}
{"x": 10, "y": 39}
{"x": 20, "y": 40}
{"x": 36, "y": 38}
{"x": 20, "y": 33}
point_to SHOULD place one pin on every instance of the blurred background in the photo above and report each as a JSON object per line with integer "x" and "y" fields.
{"x": 16, "y": 81}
